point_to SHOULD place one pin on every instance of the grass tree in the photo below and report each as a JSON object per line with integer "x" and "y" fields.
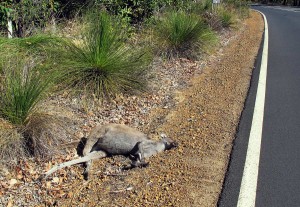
{"x": 23, "y": 86}
{"x": 103, "y": 63}
{"x": 24, "y": 129}
{"x": 180, "y": 33}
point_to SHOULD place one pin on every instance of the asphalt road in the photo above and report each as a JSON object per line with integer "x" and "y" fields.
{"x": 279, "y": 168}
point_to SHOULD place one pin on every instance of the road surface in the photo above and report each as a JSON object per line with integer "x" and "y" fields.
{"x": 278, "y": 180}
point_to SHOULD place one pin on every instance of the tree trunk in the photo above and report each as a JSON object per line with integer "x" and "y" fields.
{"x": 9, "y": 26}
{"x": 19, "y": 22}
{"x": 20, "y": 32}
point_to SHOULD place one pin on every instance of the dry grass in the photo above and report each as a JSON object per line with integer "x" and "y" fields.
{"x": 44, "y": 134}
{"x": 41, "y": 137}
{"x": 11, "y": 143}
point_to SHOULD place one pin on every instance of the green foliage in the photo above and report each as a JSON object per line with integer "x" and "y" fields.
{"x": 4, "y": 12}
{"x": 28, "y": 16}
{"x": 178, "y": 32}
{"x": 25, "y": 76}
{"x": 129, "y": 10}
{"x": 23, "y": 85}
{"x": 70, "y": 9}
{"x": 103, "y": 64}
{"x": 136, "y": 11}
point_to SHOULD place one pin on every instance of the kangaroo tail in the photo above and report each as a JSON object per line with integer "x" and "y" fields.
{"x": 91, "y": 156}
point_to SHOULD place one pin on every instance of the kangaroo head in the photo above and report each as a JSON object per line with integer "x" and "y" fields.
{"x": 169, "y": 143}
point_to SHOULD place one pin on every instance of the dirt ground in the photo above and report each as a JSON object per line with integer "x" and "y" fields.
{"x": 202, "y": 118}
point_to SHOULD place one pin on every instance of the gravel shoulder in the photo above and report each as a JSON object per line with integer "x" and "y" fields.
{"x": 199, "y": 107}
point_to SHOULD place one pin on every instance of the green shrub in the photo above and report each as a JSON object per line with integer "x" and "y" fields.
{"x": 102, "y": 63}
{"x": 28, "y": 16}
{"x": 179, "y": 33}
{"x": 136, "y": 11}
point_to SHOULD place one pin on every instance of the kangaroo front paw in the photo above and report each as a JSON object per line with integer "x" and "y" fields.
{"x": 139, "y": 164}
{"x": 85, "y": 176}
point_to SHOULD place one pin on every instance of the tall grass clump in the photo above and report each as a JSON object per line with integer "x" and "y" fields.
{"x": 22, "y": 87}
{"x": 103, "y": 63}
{"x": 24, "y": 84}
{"x": 179, "y": 33}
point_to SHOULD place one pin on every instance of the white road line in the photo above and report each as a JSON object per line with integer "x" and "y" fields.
{"x": 247, "y": 194}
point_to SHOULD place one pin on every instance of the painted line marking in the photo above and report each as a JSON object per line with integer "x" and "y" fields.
{"x": 248, "y": 188}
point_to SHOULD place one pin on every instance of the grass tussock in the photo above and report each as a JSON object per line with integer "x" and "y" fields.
{"x": 180, "y": 33}
{"x": 103, "y": 63}
{"x": 23, "y": 85}
{"x": 41, "y": 137}
{"x": 201, "y": 7}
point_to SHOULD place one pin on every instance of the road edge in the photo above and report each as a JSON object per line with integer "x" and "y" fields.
{"x": 247, "y": 195}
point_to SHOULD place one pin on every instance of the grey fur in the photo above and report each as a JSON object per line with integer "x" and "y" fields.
{"x": 116, "y": 139}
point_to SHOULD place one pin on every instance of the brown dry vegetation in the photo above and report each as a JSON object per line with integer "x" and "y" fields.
{"x": 201, "y": 114}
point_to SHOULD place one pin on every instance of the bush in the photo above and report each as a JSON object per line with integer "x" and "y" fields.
{"x": 180, "y": 33}
{"x": 27, "y": 16}
{"x": 103, "y": 64}
{"x": 136, "y": 11}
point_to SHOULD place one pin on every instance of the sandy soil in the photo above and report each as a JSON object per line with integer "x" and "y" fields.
{"x": 202, "y": 116}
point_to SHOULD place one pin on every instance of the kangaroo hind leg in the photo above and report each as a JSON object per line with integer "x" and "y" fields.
{"x": 93, "y": 155}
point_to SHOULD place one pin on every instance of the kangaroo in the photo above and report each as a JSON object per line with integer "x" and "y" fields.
{"x": 116, "y": 139}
